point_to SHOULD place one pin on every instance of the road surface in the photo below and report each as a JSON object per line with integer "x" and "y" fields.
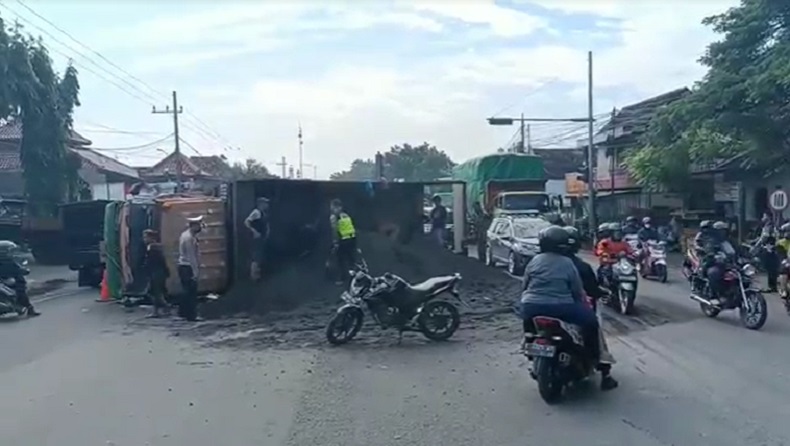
{"x": 90, "y": 374}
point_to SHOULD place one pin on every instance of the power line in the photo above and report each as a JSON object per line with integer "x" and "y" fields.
{"x": 141, "y": 146}
{"x": 203, "y": 131}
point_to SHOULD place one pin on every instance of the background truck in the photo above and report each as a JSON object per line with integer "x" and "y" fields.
{"x": 501, "y": 183}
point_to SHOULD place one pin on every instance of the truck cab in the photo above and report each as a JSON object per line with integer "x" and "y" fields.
{"x": 521, "y": 203}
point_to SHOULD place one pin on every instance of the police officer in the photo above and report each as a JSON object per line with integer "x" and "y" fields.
{"x": 344, "y": 239}
{"x": 11, "y": 269}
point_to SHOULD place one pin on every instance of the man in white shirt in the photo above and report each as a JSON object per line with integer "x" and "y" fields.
{"x": 189, "y": 268}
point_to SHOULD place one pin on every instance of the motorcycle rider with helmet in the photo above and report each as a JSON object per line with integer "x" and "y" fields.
{"x": 553, "y": 288}
{"x": 782, "y": 251}
{"x": 595, "y": 292}
{"x": 631, "y": 226}
{"x": 647, "y": 232}
{"x": 708, "y": 243}
{"x": 608, "y": 249}
{"x": 10, "y": 268}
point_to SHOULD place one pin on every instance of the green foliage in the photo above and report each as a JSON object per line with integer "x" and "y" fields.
{"x": 32, "y": 92}
{"x": 250, "y": 169}
{"x": 410, "y": 163}
{"x": 740, "y": 108}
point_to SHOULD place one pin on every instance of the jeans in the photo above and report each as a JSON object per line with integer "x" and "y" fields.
{"x": 575, "y": 313}
{"x": 20, "y": 288}
{"x": 715, "y": 274}
{"x": 187, "y": 306}
{"x": 439, "y": 235}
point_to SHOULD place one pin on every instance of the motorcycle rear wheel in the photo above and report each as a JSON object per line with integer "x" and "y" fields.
{"x": 344, "y": 326}
{"x": 549, "y": 381}
{"x": 427, "y": 318}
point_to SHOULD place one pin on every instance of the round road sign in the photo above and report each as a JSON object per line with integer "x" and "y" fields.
{"x": 778, "y": 200}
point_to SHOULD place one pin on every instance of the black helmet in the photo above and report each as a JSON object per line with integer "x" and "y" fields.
{"x": 631, "y": 219}
{"x": 720, "y": 226}
{"x": 553, "y": 239}
{"x": 616, "y": 231}
{"x": 705, "y": 224}
{"x": 574, "y": 239}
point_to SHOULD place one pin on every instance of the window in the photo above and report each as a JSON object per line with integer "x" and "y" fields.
{"x": 504, "y": 229}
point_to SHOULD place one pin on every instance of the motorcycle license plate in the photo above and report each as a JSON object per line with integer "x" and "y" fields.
{"x": 541, "y": 350}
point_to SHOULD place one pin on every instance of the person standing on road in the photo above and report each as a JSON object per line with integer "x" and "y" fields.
{"x": 344, "y": 239}
{"x": 258, "y": 223}
{"x": 155, "y": 267}
{"x": 10, "y": 268}
{"x": 768, "y": 254}
{"x": 189, "y": 268}
{"x": 438, "y": 219}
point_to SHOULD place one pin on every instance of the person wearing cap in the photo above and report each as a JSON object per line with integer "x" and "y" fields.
{"x": 344, "y": 239}
{"x": 189, "y": 268}
{"x": 258, "y": 223}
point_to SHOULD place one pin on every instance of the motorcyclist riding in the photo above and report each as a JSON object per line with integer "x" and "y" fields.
{"x": 553, "y": 288}
{"x": 708, "y": 243}
{"x": 10, "y": 268}
{"x": 608, "y": 249}
{"x": 631, "y": 226}
{"x": 782, "y": 251}
{"x": 593, "y": 290}
{"x": 647, "y": 231}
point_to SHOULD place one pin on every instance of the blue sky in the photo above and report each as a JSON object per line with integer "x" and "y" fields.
{"x": 360, "y": 76}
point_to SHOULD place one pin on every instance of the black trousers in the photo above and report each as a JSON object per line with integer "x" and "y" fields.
{"x": 20, "y": 287}
{"x": 772, "y": 264}
{"x": 346, "y": 256}
{"x": 157, "y": 291}
{"x": 187, "y": 305}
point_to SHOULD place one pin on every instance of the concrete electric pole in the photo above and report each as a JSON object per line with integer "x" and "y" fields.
{"x": 175, "y": 111}
{"x": 283, "y": 165}
{"x": 591, "y": 155}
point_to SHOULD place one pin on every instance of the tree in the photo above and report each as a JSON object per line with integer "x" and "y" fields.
{"x": 740, "y": 108}
{"x": 250, "y": 169}
{"x": 33, "y": 93}
{"x": 410, "y": 163}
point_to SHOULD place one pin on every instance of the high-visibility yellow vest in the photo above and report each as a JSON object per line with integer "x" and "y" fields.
{"x": 345, "y": 227}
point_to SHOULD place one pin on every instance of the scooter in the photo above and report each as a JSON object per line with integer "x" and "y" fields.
{"x": 655, "y": 261}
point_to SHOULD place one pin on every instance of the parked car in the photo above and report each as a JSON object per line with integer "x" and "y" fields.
{"x": 514, "y": 241}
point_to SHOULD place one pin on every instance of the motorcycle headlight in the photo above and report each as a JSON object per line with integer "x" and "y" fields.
{"x": 748, "y": 270}
{"x": 624, "y": 268}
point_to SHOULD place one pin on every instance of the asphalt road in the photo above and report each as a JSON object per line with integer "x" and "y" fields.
{"x": 89, "y": 374}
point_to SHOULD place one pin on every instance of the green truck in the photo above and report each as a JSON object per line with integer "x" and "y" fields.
{"x": 502, "y": 184}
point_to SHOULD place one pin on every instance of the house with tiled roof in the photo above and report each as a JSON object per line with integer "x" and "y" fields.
{"x": 198, "y": 173}
{"x": 104, "y": 176}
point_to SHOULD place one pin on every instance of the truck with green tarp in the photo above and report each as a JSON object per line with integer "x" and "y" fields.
{"x": 502, "y": 184}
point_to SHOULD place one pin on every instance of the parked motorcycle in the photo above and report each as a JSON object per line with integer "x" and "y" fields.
{"x": 622, "y": 280}
{"x": 738, "y": 292}
{"x": 395, "y": 303}
{"x": 655, "y": 261}
{"x": 556, "y": 349}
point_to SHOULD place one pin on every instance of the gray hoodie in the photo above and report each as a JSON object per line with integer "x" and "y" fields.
{"x": 552, "y": 279}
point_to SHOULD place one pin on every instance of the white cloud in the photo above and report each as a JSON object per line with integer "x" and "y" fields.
{"x": 350, "y": 111}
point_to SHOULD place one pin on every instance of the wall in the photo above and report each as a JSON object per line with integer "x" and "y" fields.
{"x": 295, "y": 204}
{"x": 750, "y": 188}
{"x": 109, "y": 191}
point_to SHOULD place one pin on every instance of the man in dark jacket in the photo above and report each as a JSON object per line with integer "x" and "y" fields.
{"x": 155, "y": 267}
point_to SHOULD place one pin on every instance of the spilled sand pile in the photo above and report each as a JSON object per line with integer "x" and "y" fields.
{"x": 300, "y": 288}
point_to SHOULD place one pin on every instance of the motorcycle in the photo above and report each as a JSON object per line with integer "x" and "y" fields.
{"x": 738, "y": 288}
{"x": 395, "y": 303}
{"x": 655, "y": 261}
{"x": 8, "y": 301}
{"x": 784, "y": 284}
{"x": 559, "y": 358}
{"x": 621, "y": 281}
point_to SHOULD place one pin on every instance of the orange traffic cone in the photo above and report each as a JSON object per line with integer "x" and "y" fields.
{"x": 105, "y": 289}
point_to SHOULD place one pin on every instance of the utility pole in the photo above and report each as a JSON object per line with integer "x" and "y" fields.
{"x": 291, "y": 172}
{"x": 590, "y": 145}
{"x": 614, "y": 157}
{"x": 301, "y": 164}
{"x": 175, "y": 112}
{"x": 521, "y": 144}
{"x": 283, "y": 165}
{"x": 529, "y": 140}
